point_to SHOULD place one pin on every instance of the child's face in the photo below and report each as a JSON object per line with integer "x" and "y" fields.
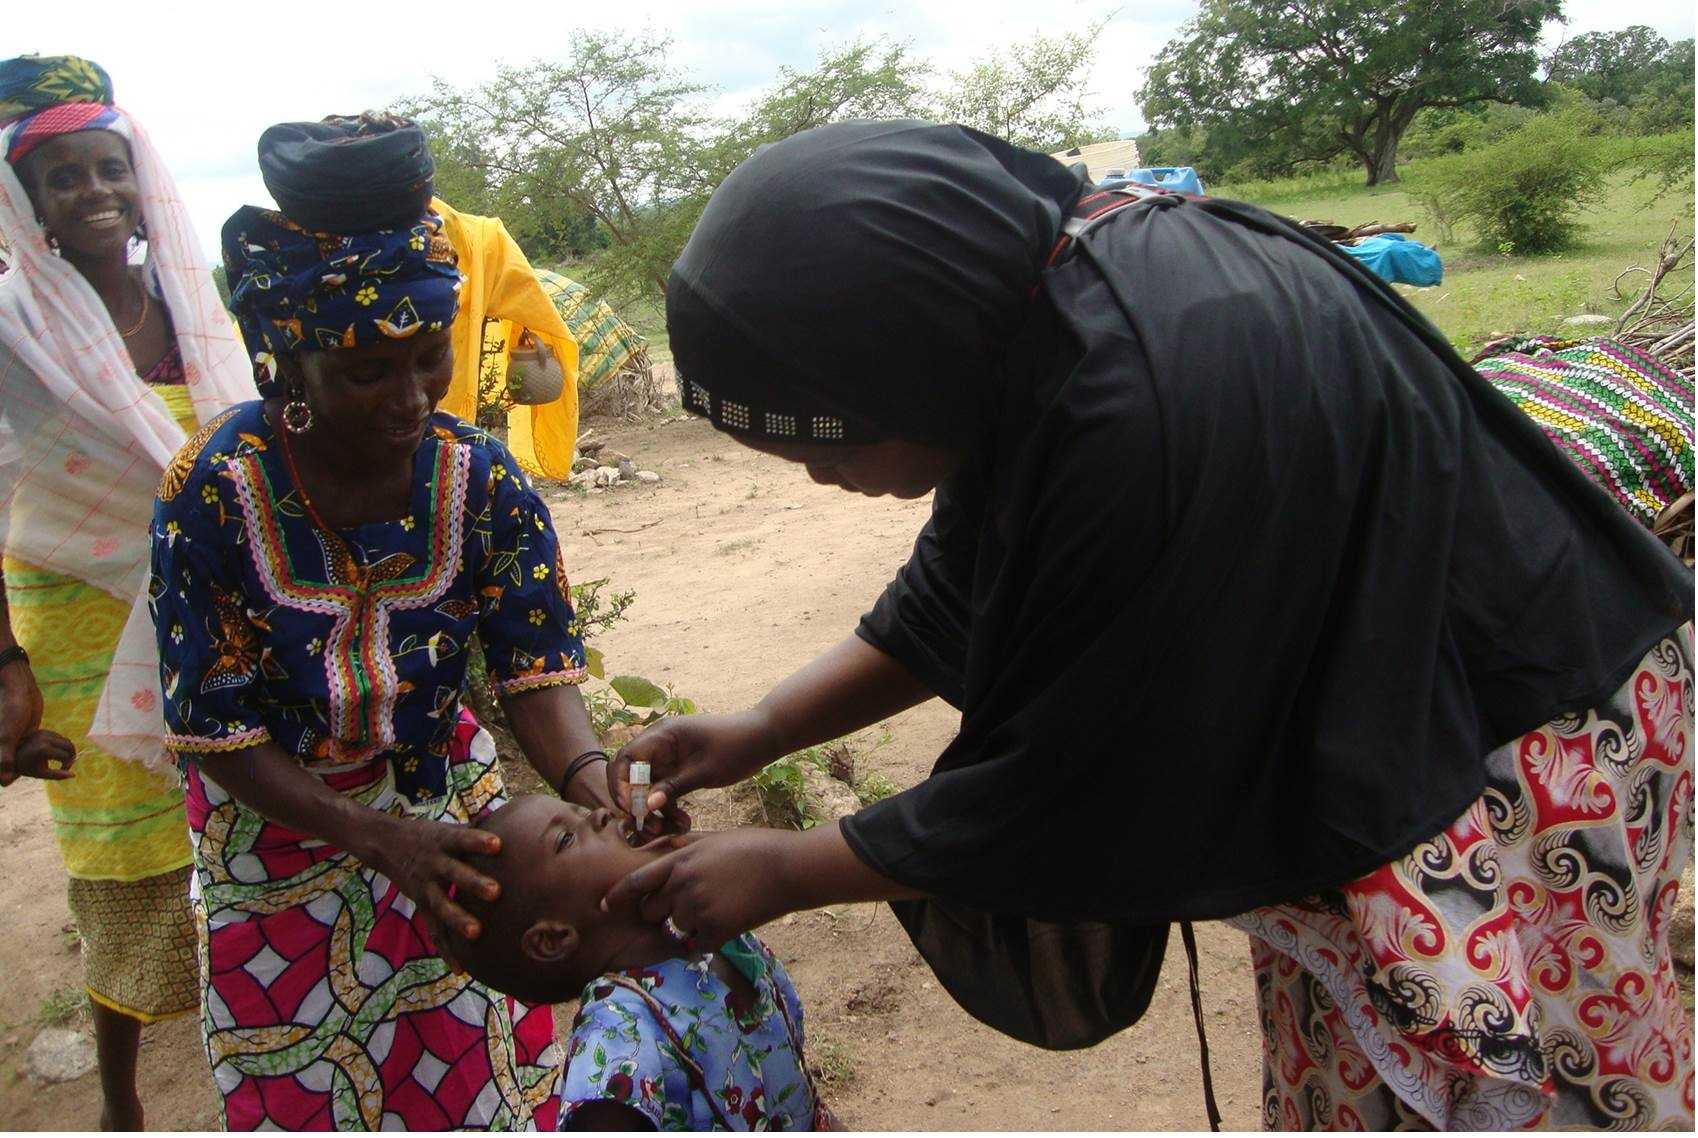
{"x": 564, "y": 858}
{"x": 546, "y": 936}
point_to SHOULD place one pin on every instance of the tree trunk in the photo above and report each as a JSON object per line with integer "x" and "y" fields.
{"x": 1382, "y": 164}
{"x": 1391, "y": 122}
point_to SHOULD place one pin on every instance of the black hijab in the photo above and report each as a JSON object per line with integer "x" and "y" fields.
{"x": 1248, "y": 571}
{"x": 903, "y": 259}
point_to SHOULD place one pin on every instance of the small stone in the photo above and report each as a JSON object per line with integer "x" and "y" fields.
{"x": 627, "y": 469}
{"x": 828, "y": 799}
{"x": 583, "y": 480}
{"x": 582, "y": 463}
{"x": 1587, "y": 318}
{"x": 612, "y": 457}
{"x": 939, "y": 1096}
{"x": 648, "y": 476}
{"x": 606, "y": 475}
{"x": 58, "y": 1055}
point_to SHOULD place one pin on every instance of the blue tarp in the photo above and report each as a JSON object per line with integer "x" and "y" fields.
{"x": 1398, "y": 258}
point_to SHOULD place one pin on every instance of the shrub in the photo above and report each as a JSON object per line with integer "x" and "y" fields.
{"x": 1451, "y": 130}
{"x": 1665, "y": 159}
{"x": 782, "y": 790}
{"x": 1523, "y": 193}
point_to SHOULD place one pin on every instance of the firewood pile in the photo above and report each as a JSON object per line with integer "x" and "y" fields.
{"x": 1659, "y": 318}
{"x": 1348, "y": 235}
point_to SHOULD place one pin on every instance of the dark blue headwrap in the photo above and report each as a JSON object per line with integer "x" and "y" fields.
{"x": 294, "y": 291}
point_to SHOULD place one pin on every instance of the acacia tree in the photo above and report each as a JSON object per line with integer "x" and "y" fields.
{"x": 1320, "y": 78}
{"x": 610, "y": 134}
{"x": 1033, "y": 94}
{"x": 614, "y": 139}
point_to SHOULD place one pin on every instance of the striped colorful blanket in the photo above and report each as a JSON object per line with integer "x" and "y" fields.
{"x": 605, "y": 342}
{"x": 1620, "y": 414}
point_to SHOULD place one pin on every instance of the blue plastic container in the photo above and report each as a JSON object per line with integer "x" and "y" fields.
{"x": 1180, "y": 179}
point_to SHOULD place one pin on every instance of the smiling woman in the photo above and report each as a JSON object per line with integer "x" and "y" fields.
{"x": 111, "y": 351}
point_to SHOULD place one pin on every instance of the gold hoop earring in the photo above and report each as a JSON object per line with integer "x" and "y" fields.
{"x": 297, "y": 416}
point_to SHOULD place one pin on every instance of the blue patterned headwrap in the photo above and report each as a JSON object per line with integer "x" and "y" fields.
{"x": 292, "y": 290}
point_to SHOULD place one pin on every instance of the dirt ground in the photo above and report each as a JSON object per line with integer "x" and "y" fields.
{"x": 743, "y": 570}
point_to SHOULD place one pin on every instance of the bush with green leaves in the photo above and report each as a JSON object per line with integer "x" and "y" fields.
{"x": 616, "y": 702}
{"x": 632, "y": 701}
{"x": 1664, "y": 159}
{"x": 1523, "y": 193}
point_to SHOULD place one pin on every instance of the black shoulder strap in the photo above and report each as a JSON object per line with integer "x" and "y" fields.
{"x": 1090, "y": 210}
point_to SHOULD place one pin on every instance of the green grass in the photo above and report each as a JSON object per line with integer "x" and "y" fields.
{"x": 832, "y": 1061}
{"x": 875, "y": 788}
{"x": 1486, "y": 295}
{"x": 62, "y": 1005}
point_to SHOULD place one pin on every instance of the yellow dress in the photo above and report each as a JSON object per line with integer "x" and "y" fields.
{"x": 500, "y": 287}
{"x": 120, "y": 826}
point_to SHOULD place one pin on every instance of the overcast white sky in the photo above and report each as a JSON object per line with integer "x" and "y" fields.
{"x": 206, "y": 78}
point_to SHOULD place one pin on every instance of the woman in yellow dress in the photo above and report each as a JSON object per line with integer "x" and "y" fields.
{"x": 107, "y": 362}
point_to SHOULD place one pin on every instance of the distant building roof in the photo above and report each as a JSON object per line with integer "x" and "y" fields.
{"x": 1101, "y": 157}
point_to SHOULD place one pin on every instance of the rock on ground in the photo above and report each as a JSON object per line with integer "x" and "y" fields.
{"x": 1586, "y": 318}
{"x": 59, "y": 1054}
{"x": 828, "y": 799}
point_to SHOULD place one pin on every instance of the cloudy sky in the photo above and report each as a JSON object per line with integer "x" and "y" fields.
{"x": 206, "y": 77}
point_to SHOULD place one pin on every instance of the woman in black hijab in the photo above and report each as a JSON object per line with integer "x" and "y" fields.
{"x": 1228, "y": 540}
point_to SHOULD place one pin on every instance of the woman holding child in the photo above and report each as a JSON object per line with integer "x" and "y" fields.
{"x": 322, "y": 558}
{"x": 1257, "y": 603}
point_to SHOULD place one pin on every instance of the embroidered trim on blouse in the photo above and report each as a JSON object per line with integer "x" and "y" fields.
{"x": 540, "y": 680}
{"x": 363, "y": 684}
{"x": 204, "y": 745}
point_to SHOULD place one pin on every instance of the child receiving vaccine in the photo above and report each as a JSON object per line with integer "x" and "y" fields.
{"x": 667, "y": 1036}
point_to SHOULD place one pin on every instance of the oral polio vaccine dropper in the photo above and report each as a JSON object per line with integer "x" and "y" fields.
{"x": 639, "y": 793}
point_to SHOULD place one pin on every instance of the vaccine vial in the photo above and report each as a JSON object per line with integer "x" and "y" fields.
{"x": 639, "y": 792}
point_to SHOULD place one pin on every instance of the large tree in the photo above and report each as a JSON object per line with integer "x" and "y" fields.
{"x": 1609, "y": 65}
{"x": 1314, "y": 79}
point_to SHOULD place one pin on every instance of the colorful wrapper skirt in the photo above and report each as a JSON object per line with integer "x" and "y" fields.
{"x": 325, "y": 1006}
{"x": 1514, "y": 971}
{"x": 119, "y": 825}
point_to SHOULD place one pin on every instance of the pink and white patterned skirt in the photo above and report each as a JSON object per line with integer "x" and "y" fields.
{"x": 1513, "y": 972}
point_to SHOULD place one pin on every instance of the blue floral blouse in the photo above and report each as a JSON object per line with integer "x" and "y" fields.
{"x": 666, "y": 1042}
{"x": 347, "y": 647}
